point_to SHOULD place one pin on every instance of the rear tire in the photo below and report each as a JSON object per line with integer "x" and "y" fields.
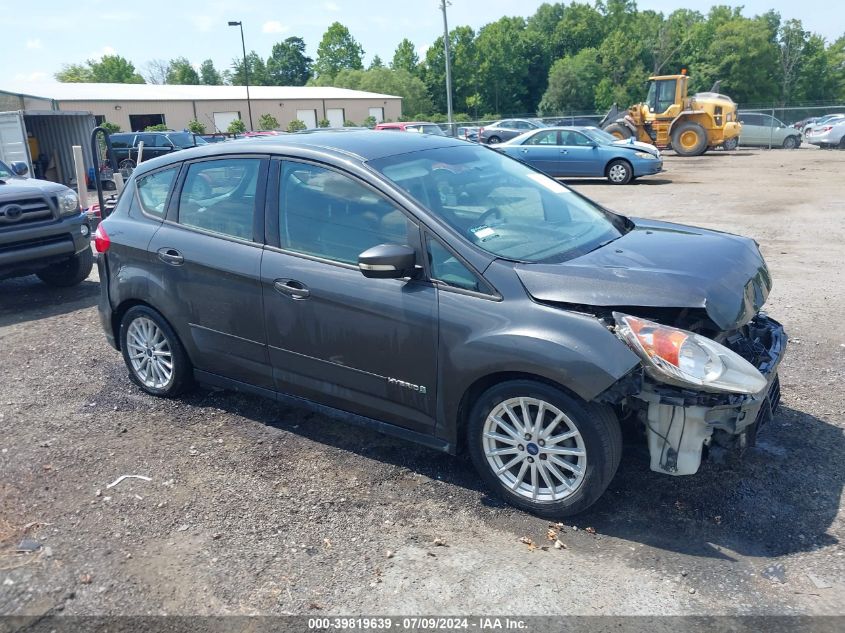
{"x": 620, "y": 131}
{"x": 731, "y": 144}
{"x": 70, "y": 272}
{"x": 566, "y": 462}
{"x": 689, "y": 139}
{"x": 153, "y": 353}
{"x": 842, "y": 143}
{"x": 619, "y": 172}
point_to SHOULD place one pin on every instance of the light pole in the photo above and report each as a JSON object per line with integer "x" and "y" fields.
{"x": 443, "y": 5}
{"x": 246, "y": 72}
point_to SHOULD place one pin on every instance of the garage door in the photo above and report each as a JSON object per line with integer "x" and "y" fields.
{"x": 335, "y": 117}
{"x": 377, "y": 114}
{"x": 223, "y": 119}
{"x": 308, "y": 117}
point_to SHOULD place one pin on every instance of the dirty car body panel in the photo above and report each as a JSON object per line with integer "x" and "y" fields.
{"x": 514, "y": 280}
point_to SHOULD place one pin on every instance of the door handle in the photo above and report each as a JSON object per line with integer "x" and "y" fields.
{"x": 563, "y": 151}
{"x": 170, "y": 256}
{"x": 292, "y": 288}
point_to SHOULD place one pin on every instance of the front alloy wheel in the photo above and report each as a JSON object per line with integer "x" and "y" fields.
{"x": 534, "y": 449}
{"x": 542, "y": 449}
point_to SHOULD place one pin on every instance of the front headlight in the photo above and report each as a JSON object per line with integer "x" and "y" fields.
{"x": 68, "y": 203}
{"x": 645, "y": 155}
{"x": 683, "y": 358}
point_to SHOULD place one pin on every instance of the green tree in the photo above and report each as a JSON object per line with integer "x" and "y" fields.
{"x": 209, "y": 76}
{"x": 75, "y": 74}
{"x": 405, "y": 57}
{"x": 268, "y": 122}
{"x": 338, "y": 50}
{"x": 324, "y": 123}
{"x": 572, "y": 84}
{"x": 288, "y": 65}
{"x": 462, "y": 48}
{"x": 793, "y": 46}
{"x": 158, "y": 127}
{"x": 181, "y": 72}
{"x": 505, "y": 53}
{"x": 376, "y": 63}
{"x": 196, "y": 127}
{"x": 369, "y": 122}
{"x": 581, "y": 27}
{"x": 236, "y": 127}
{"x": 296, "y": 125}
{"x": 112, "y": 69}
{"x": 623, "y": 71}
{"x": 111, "y": 128}
{"x": 257, "y": 71}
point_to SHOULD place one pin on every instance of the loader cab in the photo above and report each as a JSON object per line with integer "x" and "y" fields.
{"x": 666, "y": 95}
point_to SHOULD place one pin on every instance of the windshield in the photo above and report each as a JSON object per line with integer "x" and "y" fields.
{"x": 186, "y": 139}
{"x": 5, "y": 171}
{"x": 599, "y": 136}
{"x": 503, "y": 206}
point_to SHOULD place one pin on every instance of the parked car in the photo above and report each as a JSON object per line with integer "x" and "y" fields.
{"x": 822, "y": 121}
{"x": 125, "y": 145}
{"x": 570, "y": 121}
{"x": 507, "y": 129}
{"x": 831, "y": 134}
{"x": 42, "y": 229}
{"x": 445, "y": 293}
{"x": 215, "y": 138}
{"x": 420, "y": 127}
{"x": 762, "y": 130}
{"x": 584, "y": 152}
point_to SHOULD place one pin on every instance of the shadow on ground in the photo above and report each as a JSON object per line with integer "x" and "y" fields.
{"x": 27, "y": 299}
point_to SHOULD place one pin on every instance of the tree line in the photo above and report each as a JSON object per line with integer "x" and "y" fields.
{"x": 564, "y": 58}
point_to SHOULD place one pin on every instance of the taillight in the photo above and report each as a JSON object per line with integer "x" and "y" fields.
{"x": 101, "y": 240}
{"x": 826, "y": 129}
{"x": 480, "y": 131}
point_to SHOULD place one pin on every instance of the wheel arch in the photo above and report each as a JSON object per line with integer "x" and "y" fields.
{"x": 122, "y": 308}
{"x": 616, "y": 159}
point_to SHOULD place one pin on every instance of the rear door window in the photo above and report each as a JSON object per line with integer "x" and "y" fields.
{"x": 219, "y": 196}
{"x": 153, "y": 191}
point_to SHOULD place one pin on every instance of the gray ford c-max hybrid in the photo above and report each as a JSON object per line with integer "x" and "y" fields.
{"x": 442, "y": 292}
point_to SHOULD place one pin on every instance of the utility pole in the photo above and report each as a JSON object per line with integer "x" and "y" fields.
{"x": 246, "y": 73}
{"x": 443, "y": 5}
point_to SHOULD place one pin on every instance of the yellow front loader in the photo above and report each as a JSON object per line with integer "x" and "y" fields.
{"x": 671, "y": 119}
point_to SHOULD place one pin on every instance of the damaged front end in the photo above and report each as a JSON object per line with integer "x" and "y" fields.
{"x": 696, "y": 390}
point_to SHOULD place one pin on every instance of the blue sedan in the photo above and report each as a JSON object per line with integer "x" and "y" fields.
{"x": 564, "y": 152}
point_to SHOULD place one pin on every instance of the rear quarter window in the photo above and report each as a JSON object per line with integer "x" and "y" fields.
{"x": 153, "y": 191}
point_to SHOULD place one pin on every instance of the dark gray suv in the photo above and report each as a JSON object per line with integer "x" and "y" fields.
{"x": 447, "y": 294}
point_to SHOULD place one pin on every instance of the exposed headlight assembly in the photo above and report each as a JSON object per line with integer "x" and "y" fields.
{"x": 686, "y": 359}
{"x": 68, "y": 203}
{"x": 645, "y": 155}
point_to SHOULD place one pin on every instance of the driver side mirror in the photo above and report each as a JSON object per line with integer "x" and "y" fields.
{"x": 388, "y": 261}
{"x": 19, "y": 168}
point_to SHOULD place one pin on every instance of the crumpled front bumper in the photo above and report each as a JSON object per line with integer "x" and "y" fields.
{"x": 680, "y": 423}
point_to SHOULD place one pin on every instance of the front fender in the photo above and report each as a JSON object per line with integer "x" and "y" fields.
{"x": 573, "y": 350}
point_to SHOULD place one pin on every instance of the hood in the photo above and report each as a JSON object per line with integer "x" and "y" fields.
{"x": 661, "y": 265}
{"x": 638, "y": 146}
{"x": 16, "y": 187}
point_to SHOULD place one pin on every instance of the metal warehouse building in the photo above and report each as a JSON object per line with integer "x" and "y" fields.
{"x": 136, "y": 106}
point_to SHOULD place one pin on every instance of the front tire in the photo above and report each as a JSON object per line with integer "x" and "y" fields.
{"x": 791, "y": 142}
{"x": 70, "y": 272}
{"x": 494, "y": 140}
{"x": 543, "y": 450}
{"x": 731, "y": 144}
{"x": 156, "y": 360}
{"x": 619, "y": 172}
{"x": 689, "y": 139}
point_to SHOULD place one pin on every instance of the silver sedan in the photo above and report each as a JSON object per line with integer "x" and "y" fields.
{"x": 830, "y": 134}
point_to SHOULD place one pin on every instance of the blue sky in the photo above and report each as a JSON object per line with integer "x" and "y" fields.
{"x": 38, "y": 38}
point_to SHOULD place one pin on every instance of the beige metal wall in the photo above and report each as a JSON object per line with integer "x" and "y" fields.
{"x": 177, "y": 114}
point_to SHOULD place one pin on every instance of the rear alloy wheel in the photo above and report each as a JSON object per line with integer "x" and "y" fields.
{"x": 842, "y": 143}
{"x": 156, "y": 360}
{"x": 494, "y": 140}
{"x": 619, "y": 172}
{"x": 619, "y": 131}
{"x": 71, "y": 272}
{"x": 689, "y": 139}
{"x": 731, "y": 144}
{"x": 790, "y": 142}
{"x": 543, "y": 450}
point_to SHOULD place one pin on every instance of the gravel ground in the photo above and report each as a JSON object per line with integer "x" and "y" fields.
{"x": 252, "y": 508}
